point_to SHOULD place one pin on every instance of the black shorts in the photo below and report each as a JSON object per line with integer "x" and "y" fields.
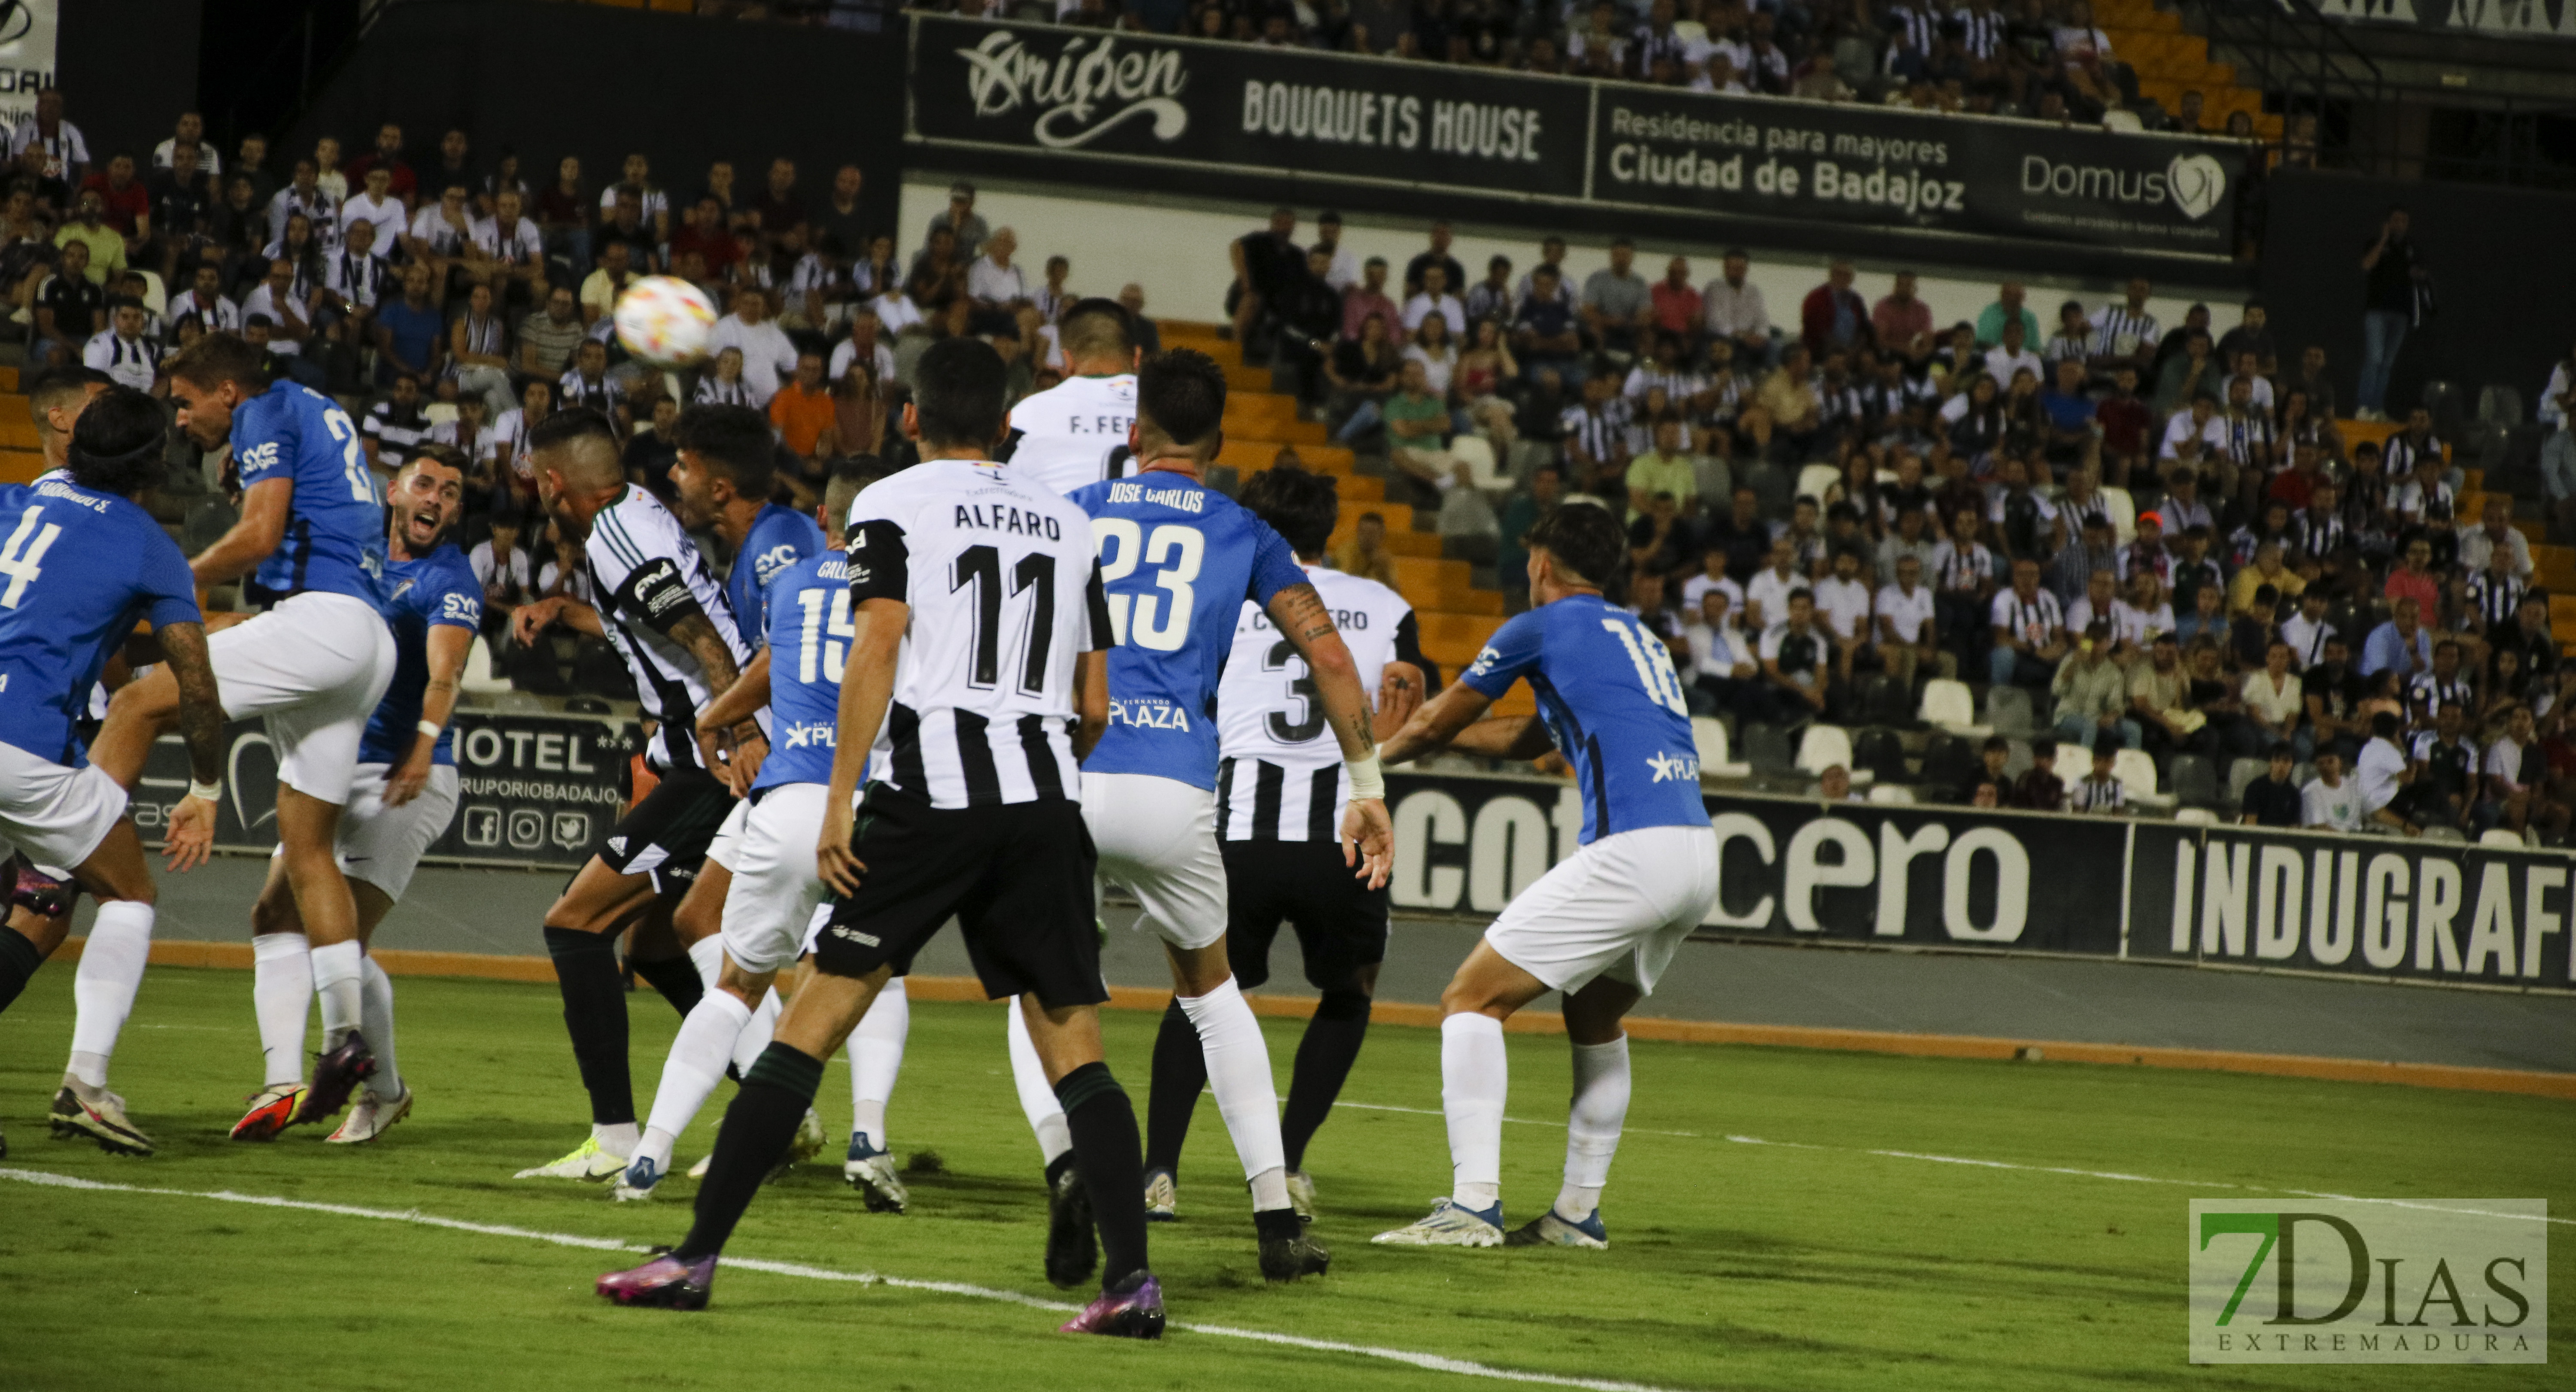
{"x": 1017, "y": 877}
{"x": 1340, "y": 921}
{"x": 666, "y": 835}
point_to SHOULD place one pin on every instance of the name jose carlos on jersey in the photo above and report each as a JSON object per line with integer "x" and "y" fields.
{"x": 1177, "y": 499}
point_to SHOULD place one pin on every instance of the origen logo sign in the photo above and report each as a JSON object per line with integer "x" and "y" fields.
{"x": 2353, "y": 1281}
{"x": 1083, "y": 91}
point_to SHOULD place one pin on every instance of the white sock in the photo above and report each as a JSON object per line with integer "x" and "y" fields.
{"x": 1037, "y": 1095}
{"x": 110, "y": 972}
{"x": 281, "y": 993}
{"x": 755, "y": 1036}
{"x": 1238, "y": 1065}
{"x": 707, "y": 955}
{"x": 619, "y": 1139}
{"x": 876, "y": 1057}
{"x": 1474, "y": 1076}
{"x": 335, "y": 980}
{"x": 376, "y": 1022}
{"x": 1592, "y": 1125}
{"x": 689, "y": 1076}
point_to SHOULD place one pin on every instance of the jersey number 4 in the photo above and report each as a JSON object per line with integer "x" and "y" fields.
{"x": 981, "y": 568}
{"x": 26, "y": 547}
{"x": 1157, "y": 625}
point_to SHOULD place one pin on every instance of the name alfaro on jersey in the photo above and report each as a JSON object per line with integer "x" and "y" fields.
{"x": 1004, "y": 597}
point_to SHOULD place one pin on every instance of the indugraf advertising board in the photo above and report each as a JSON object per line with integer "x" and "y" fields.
{"x": 1290, "y": 113}
{"x": 533, "y": 790}
{"x": 1793, "y": 869}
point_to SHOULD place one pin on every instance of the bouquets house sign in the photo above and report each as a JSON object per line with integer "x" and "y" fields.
{"x": 1295, "y": 113}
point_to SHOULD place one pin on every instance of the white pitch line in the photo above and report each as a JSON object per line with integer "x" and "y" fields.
{"x": 2114, "y": 1175}
{"x": 1430, "y": 1361}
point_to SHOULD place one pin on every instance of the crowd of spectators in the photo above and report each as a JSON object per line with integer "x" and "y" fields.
{"x": 449, "y": 297}
{"x": 2159, "y": 532}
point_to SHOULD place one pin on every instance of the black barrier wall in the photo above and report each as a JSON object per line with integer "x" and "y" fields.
{"x": 1863, "y": 874}
{"x": 532, "y": 790}
{"x": 1085, "y": 96}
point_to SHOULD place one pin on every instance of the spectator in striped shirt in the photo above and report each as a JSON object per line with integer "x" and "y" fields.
{"x": 2125, "y": 332}
{"x": 395, "y": 426}
{"x": 2100, "y": 793}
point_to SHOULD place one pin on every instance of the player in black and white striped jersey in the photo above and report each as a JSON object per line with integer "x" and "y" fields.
{"x": 978, "y": 650}
{"x": 668, "y": 616}
{"x": 1281, "y": 786}
{"x": 1076, "y": 432}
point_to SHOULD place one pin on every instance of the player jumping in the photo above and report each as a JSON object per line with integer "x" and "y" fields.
{"x": 978, "y": 817}
{"x": 673, "y": 625}
{"x": 311, "y": 539}
{"x": 80, "y": 563}
{"x": 402, "y": 800}
{"x": 1602, "y": 925}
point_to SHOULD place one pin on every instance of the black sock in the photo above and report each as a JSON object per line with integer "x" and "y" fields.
{"x": 757, "y": 1127}
{"x": 18, "y": 961}
{"x": 676, "y": 978}
{"x": 1180, "y": 1074}
{"x": 595, "y": 1017}
{"x": 1103, "y": 1123}
{"x": 1324, "y": 1059}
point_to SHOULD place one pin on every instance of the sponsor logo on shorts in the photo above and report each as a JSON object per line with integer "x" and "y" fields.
{"x": 854, "y": 935}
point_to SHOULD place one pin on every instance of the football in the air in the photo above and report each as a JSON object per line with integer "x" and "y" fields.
{"x": 665, "y": 321}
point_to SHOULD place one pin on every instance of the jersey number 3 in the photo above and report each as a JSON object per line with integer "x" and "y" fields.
{"x": 1178, "y": 550}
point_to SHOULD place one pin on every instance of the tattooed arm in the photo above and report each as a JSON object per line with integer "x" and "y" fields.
{"x": 1301, "y": 617}
{"x": 201, "y": 723}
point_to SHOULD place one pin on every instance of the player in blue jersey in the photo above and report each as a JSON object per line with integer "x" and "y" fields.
{"x": 770, "y": 888}
{"x": 402, "y": 800}
{"x": 1179, "y": 560}
{"x": 1602, "y": 925}
{"x": 80, "y": 563}
{"x": 311, "y": 537}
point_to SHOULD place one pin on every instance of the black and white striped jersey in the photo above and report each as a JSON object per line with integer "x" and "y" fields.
{"x": 1005, "y": 597}
{"x": 647, "y": 577}
{"x": 1062, "y": 438}
{"x": 1281, "y": 776}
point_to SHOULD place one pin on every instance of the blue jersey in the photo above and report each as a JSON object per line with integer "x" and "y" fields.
{"x": 809, "y": 638}
{"x": 1178, "y": 560}
{"x": 779, "y": 538}
{"x": 1607, "y": 690}
{"x": 77, "y": 568}
{"x": 438, "y": 589}
{"x": 335, "y": 527}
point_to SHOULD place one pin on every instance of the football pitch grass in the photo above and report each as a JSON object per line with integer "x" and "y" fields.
{"x": 1778, "y": 1219}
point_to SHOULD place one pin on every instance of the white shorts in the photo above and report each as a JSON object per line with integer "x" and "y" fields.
{"x": 1619, "y": 907}
{"x": 728, "y": 839}
{"x": 383, "y": 845}
{"x": 769, "y": 909}
{"x": 1156, "y": 838}
{"x": 315, "y": 666}
{"x": 56, "y": 814}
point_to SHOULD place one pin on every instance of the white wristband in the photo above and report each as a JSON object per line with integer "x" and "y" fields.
{"x": 432, "y": 728}
{"x": 1368, "y": 779}
{"x": 211, "y": 792}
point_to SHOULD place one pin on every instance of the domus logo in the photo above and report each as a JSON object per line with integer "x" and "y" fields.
{"x": 1080, "y": 92}
{"x": 2194, "y": 183}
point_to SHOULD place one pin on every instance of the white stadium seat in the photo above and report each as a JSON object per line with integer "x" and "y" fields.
{"x": 1951, "y": 706}
{"x": 1710, "y": 735}
{"x": 1823, "y": 747}
{"x": 2137, "y": 773}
